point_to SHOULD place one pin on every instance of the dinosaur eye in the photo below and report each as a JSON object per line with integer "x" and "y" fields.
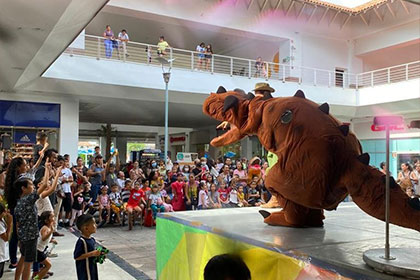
{"x": 286, "y": 117}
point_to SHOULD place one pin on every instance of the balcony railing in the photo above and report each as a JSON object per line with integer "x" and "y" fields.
{"x": 235, "y": 66}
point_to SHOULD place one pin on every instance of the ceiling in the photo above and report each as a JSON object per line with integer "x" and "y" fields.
{"x": 372, "y": 13}
{"x": 34, "y": 33}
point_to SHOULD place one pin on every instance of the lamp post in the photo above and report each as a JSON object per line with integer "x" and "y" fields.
{"x": 166, "y": 72}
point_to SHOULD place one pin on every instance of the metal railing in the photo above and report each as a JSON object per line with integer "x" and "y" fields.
{"x": 135, "y": 52}
{"x": 394, "y": 74}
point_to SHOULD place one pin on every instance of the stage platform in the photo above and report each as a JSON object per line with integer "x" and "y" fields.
{"x": 185, "y": 241}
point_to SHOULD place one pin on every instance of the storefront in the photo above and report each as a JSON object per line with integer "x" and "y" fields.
{"x": 20, "y": 122}
{"x": 401, "y": 151}
{"x": 177, "y": 144}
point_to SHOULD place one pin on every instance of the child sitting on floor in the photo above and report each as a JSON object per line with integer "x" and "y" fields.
{"x": 224, "y": 195}
{"x": 136, "y": 204}
{"x": 203, "y": 198}
{"x": 166, "y": 200}
{"x": 254, "y": 197}
{"x": 116, "y": 202}
{"x": 156, "y": 201}
{"x": 214, "y": 197}
{"x": 104, "y": 203}
{"x": 125, "y": 193}
{"x": 233, "y": 197}
{"x": 241, "y": 197}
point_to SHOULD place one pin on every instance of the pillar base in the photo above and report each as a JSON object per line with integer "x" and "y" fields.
{"x": 404, "y": 262}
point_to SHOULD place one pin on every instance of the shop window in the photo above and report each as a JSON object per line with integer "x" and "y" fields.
{"x": 86, "y": 149}
{"x": 135, "y": 146}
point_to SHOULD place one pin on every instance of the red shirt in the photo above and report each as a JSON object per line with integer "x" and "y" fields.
{"x": 135, "y": 197}
{"x": 223, "y": 194}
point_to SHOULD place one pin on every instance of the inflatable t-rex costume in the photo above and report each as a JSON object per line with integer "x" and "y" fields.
{"x": 319, "y": 161}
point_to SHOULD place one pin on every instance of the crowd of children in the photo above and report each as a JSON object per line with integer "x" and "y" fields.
{"x": 42, "y": 196}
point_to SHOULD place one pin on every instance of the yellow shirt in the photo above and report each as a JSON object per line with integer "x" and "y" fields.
{"x": 162, "y": 45}
{"x": 241, "y": 196}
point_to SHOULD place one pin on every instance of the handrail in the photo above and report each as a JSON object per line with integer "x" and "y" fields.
{"x": 136, "y": 52}
{"x": 390, "y": 67}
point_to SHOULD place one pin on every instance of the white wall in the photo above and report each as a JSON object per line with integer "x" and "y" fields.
{"x": 389, "y": 93}
{"x": 323, "y": 53}
{"x": 395, "y": 55}
{"x": 69, "y": 117}
{"x": 387, "y": 38}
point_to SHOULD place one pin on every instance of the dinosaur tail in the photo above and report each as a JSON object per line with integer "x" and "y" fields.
{"x": 366, "y": 185}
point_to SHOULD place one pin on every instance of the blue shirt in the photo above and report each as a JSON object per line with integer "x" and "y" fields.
{"x": 97, "y": 179}
{"x": 83, "y": 266}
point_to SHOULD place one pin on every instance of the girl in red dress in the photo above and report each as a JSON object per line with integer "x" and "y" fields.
{"x": 178, "y": 192}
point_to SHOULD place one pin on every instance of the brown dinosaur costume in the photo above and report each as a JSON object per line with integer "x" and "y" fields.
{"x": 319, "y": 161}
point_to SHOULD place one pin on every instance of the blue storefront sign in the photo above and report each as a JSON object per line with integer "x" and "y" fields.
{"x": 29, "y": 114}
{"x": 24, "y": 137}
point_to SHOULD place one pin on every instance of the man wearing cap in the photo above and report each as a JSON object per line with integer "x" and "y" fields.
{"x": 97, "y": 175}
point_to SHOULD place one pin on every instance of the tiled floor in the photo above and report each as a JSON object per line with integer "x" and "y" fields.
{"x": 64, "y": 266}
{"x": 136, "y": 247}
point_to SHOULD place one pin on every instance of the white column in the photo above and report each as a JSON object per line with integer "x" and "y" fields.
{"x": 246, "y": 148}
{"x": 69, "y": 128}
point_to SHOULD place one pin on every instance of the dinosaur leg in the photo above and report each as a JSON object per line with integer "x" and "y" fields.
{"x": 272, "y": 203}
{"x": 367, "y": 189}
{"x": 294, "y": 215}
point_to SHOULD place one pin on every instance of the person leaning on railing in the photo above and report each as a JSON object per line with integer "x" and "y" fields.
{"x": 162, "y": 45}
{"x": 123, "y": 39}
{"x": 109, "y": 41}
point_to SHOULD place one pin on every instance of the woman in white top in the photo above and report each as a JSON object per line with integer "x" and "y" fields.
{"x": 43, "y": 203}
{"x": 203, "y": 198}
{"x": 405, "y": 176}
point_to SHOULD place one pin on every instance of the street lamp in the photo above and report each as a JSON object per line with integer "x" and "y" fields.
{"x": 166, "y": 72}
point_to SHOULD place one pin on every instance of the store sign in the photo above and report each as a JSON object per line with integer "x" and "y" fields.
{"x": 177, "y": 139}
{"x": 24, "y": 137}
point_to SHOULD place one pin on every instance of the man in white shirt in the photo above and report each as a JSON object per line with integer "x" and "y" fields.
{"x": 121, "y": 180}
{"x": 123, "y": 39}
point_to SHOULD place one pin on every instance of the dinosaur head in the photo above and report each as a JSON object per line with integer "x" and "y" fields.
{"x": 229, "y": 106}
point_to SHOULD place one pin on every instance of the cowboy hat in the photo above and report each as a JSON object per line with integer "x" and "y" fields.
{"x": 254, "y": 159}
{"x": 263, "y": 87}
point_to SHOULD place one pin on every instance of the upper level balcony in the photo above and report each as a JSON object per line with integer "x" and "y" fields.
{"x": 84, "y": 69}
{"x": 145, "y": 54}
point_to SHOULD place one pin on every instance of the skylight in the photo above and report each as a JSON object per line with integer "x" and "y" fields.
{"x": 348, "y": 3}
{"x": 349, "y": 6}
